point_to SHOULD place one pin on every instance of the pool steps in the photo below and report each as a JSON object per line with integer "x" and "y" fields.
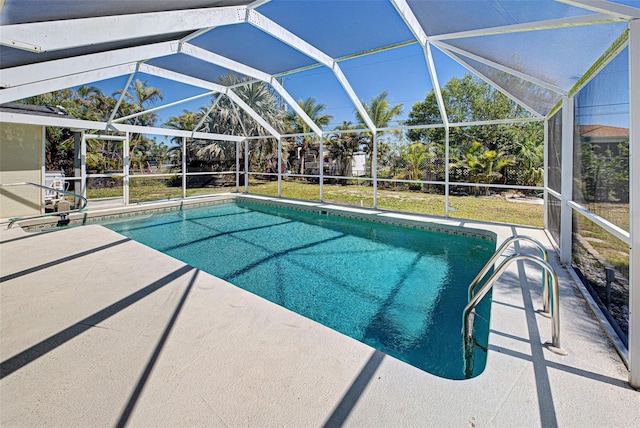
{"x": 550, "y": 296}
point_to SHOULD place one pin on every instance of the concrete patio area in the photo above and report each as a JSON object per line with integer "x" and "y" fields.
{"x": 99, "y": 330}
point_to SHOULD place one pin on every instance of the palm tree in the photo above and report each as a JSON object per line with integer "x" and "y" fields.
{"x": 484, "y": 165}
{"x": 90, "y": 103}
{"x": 530, "y": 156}
{"x": 414, "y": 158}
{"x": 140, "y": 95}
{"x": 342, "y": 146}
{"x": 381, "y": 113}
{"x": 229, "y": 119}
{"x": 185, "y": 122}
{"x": 314, "y": 111}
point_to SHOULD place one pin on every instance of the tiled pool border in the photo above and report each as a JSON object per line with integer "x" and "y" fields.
{"x": 410, "y": 220}
{"x": 375, "y": 216}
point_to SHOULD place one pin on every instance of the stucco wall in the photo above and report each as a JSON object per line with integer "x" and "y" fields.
{"x": 20, "y": 161}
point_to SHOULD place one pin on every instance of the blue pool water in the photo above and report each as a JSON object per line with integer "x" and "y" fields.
{"x": 397, "y": 289}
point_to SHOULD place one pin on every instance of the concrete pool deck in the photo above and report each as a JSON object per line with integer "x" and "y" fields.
{"x": 99, "y": 330}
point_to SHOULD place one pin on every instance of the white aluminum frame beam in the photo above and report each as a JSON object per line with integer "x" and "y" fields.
{"x": 492, "y": 83}
{"x": 576, "y": 21}
{"x": 614, "y": 9}
{"x": 342, "y": 79}
{"x": 49, "y": 70}
{"x": 172, "y": 104}
{"x": 527, "y": 77}
{"x": 436, "y": 84}
{"x": 204, "y": 116}
{"x": 257, "y": 3}
{"x": 268, "y": 26}
{"x": 414, "y": 25}
{"x": 182, "y": 78}
{"x": 70, "y": 33}
{"x": 265, "y": 24}
{"x": 566, "y": 185}
{"x": 410, "y": 20}
{"x": 64, "y": 122}
{"x": 545, "y": 175}
{"x": 221, "y": 61}
{"x": 611, "y": 228}
{"x": 202, "y": 31}
{"x": 634, "y": 204}
{"x": 122, "y": 96}
{"x": 240, "y": 102}
{"x": 235, "y": 111}
{"x": 43, "y": 87}
{"x": 126, "y": 157}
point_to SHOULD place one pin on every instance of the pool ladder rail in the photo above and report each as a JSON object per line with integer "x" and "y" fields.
{"x": 64, "y": 215}
{"x": 550, "y": 296}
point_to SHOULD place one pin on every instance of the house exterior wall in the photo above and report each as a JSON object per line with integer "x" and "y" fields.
{"x": 20, "y": 161}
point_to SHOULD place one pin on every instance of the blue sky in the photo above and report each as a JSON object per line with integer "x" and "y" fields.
{"x": 605, "y": 99}
{"x": 401, "y": 72}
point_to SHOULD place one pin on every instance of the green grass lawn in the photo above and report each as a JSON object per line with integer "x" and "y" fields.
{"x": 608, "y": 246}
{"x": 154, "y": 191}
{"x": 483, "y": 208}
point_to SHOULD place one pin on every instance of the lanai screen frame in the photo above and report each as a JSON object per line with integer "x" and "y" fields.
{"x": 35, "y": 79}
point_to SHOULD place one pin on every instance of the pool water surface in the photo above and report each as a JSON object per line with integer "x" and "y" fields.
{"x": 400, "y": 290}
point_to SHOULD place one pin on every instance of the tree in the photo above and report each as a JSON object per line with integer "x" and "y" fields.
{"x": 468, "y": 99}
{"x": 90, "y": 103}
{"x": 342, "y": 146}
{"x": 59, "y": 141}
{"x": 380, "y": 113}
{"x": 141, "y": 95}
{"x": 198, "y": 151}
{"x": 299, "y": 126}
{"x": 229, "y": 119}
{"x": 413, "y": 159}
{"x": 471, "y": 99}
{"x": 484, "y": 165}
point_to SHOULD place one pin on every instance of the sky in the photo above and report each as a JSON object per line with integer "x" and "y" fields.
{"x": 605, "y": 99}
{"x": 401, "y": 72}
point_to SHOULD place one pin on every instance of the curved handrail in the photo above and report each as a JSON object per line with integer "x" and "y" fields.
{"x": 499, "y": 252}
{"x": 467, "y": 327}
{"x": 62, "y": 214}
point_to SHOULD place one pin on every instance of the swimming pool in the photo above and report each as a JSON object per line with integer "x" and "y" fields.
{"x": 398, "y": 289}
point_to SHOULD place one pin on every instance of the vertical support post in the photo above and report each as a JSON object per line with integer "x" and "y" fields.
{"x": 77, "y": 168}
{"x": 237, "y": 166}
{"x": 280, "y": 166}
{"x": 634, "y": 204}
{"x": 321, "y": 168}
{"x": 83, "y": 165}
{"x": 545, "y": 175}
{"x": 446, "y": 171}
{"x": 125, "y": 169}
{"x": 566, "y": 186}
{"x": 43, "y": 167}
{"x": 246, "y": 166}
{"x": 184, "y": 167}
{"x": 374, "y": 168}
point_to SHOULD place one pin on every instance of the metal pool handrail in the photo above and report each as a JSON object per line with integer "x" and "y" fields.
{"x": 499, "y": 252}
{"x": 63, "y": 214}
{"x": 467, "y": 321}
